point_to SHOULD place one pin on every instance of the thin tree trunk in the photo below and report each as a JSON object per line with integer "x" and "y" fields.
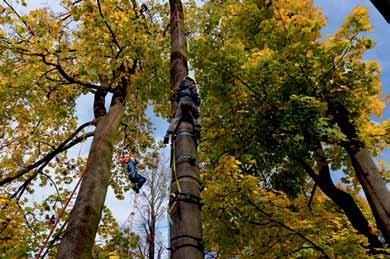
{"x": 186, "y": 229}
{"x": 151, "y": 237}
{"x": 366, "y": 171}
{"x": 342, "y": 199}
{"x": 152, "y": 216}
{"x": 84, "y": 219}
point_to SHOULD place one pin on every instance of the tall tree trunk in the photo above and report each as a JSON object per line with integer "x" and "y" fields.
{"x": 366, "y": 171}
{"x": 186, "y": 229}
{"x": 79, "y": 236}
{"x": 342, "y": 199}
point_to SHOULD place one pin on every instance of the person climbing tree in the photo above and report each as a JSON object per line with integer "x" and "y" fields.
{"x": 136, "y": 179}
{"x": 187, "y": 99}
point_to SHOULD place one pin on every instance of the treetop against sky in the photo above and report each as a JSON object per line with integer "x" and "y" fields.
{"x": 335, "y": 10}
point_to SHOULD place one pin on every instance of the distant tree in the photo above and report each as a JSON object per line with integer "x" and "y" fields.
{"x": 152, "y": 204}
{"x": 115, "y": 242}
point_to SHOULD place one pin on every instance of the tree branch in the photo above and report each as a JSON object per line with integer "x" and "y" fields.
{"x": 108, "y": 27}
{"x": 312, "y": 196}
{"x": 315, "y": 246}
{"x": 55, "y": 187}
{"x": 18, "y": 194}
{"x": 334, "y": 65}
{"x": 20, "y": 17}
{"x": 68, "y": 77}
{"x": 62, "y": 147}
{"x": 296, "y": 250}
{"x": 58, "y": 67}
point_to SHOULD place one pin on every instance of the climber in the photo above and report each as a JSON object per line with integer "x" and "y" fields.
{"x": 137, "y": 179}
{"x": 187, "y": 100}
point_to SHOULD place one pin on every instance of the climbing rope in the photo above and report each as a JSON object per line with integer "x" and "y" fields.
{"x": 63, "y": 209}
{"x": 179, "y": 195}
{"x": 130, "y": 219}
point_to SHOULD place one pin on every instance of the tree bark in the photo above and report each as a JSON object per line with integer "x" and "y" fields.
{"x": 178, "y": 66}
{"x": 79, "y": 236}
{"x": 342, "y": 199}
{"x": 186, "y": 229}
{"x": 366, "y": 171}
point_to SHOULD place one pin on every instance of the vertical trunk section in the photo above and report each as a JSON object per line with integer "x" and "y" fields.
{"x": 366, "y": 171}
{"x": 186, "y": 229}
{"x": 178, "y": 66}
{"x": 152, "y": 216}
{"x": 374, "y": 187}
{"x": 151, "y": 237}
{"x": 342, "y": 199}
{"x": 84, "y": 219}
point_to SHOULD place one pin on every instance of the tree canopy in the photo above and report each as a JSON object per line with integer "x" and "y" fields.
{"x": 283, "y": 109}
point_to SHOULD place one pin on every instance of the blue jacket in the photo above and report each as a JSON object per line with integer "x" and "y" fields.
{"x": 132, "y": 166}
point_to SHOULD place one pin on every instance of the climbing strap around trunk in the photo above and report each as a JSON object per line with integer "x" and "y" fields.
{"x": 186, "y": 197}
{"x": 195, "y": 242}
{"x": 186, "y": 158}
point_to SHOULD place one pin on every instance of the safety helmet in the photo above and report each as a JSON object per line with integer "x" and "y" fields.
{"x": 190, "y": 78}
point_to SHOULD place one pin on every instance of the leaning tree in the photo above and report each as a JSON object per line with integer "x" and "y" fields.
{"x": 106, "y": 49}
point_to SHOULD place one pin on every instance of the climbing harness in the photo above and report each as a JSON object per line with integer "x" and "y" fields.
{"x": 187, "y": 109}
